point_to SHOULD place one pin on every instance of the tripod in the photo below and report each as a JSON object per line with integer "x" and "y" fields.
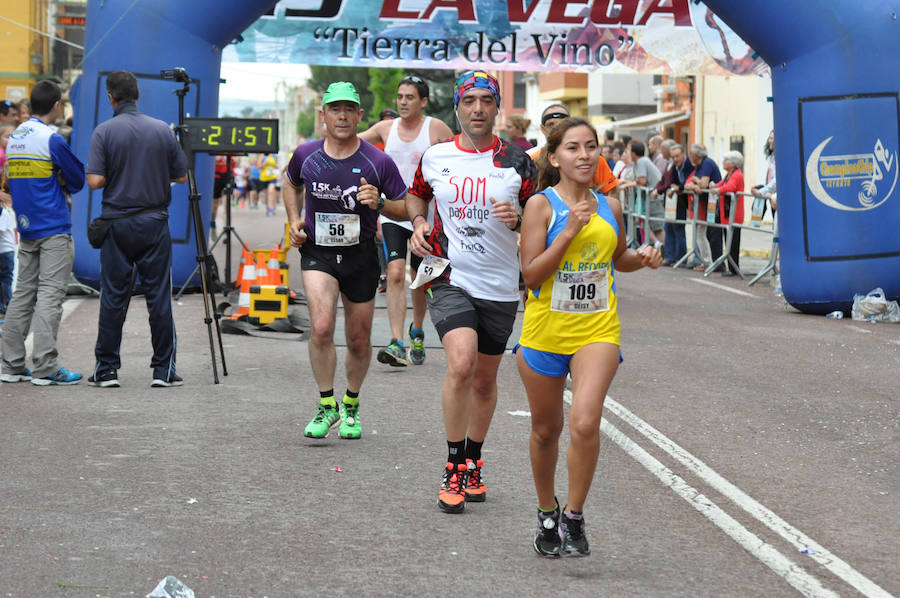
{"x": 226, "y": 232}
{"x": 204, "y": 259}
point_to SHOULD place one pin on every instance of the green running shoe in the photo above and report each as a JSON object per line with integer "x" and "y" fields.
{"x": 394, "y": 354}
{"x": 417, "y": 346}
{"x": 350, "y": 428}
{"x": 322, "y": 422}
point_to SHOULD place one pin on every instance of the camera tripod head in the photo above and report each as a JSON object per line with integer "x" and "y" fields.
{"x": 175, "y": 74}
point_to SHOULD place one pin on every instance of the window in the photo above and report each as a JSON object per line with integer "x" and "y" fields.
{"x": 736, "y": 143}
{"x": 519, "y": 90}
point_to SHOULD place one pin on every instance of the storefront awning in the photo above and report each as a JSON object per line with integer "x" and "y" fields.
{"x": 657, "y": 119}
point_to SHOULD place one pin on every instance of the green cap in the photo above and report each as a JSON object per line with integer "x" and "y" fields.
{"x": 342, "y": 91}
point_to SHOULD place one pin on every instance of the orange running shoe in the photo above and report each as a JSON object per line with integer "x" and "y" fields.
{"x": 451, "y": 496}
{"x": 475, "y": 490}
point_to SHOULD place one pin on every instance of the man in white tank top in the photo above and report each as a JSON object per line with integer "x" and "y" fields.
{"x": 405, "y": 139}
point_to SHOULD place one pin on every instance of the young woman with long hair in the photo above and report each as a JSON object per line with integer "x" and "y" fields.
{"x": 573, "y": 240}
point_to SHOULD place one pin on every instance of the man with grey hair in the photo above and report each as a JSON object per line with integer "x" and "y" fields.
{"x": 709, "y": 240}
{"x": 678, "y": 173}
{"x": 654, "y": 147}
{"x": 663, "y": 159}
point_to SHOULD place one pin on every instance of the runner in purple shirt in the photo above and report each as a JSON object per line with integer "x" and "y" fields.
{"x": 343, "y": 182}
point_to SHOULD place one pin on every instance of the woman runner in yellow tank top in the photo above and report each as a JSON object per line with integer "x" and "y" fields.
{"x": 572, "y": 243}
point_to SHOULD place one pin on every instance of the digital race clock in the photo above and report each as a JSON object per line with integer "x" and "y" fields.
{"x": 233, "y": 135}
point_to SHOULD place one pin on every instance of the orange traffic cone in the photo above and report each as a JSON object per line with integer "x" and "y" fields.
{"x": 243, "y": 269}
{"x": 248, "y": 279}
{"x": 274, "y": 267}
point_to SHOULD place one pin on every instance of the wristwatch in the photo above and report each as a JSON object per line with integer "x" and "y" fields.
{"x": 380, "y": 203}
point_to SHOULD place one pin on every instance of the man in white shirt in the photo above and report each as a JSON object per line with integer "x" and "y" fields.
{"x": 464, "y": 206}
{"x": 405, "y": 139}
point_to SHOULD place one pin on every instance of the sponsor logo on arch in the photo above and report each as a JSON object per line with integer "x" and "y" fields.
{"x": 853, "y": 182}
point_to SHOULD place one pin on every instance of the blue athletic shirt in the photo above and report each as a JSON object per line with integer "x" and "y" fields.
{"x": 36, "y": 156}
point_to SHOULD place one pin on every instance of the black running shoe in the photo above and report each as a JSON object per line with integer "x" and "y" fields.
{"x": 105, "y": 379}
{"x": 546, "y": 539}
{"x": 571, "y": 531}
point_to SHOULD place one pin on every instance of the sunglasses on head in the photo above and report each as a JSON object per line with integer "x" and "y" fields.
{"x": 412, "y": 78}
{"x": 552, "y": 116}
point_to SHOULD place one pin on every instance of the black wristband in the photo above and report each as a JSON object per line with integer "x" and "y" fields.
{"x": 518, "y": 223}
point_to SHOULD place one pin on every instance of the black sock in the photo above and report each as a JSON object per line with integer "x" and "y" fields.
{"x": 326, "y": 393}
{"x": 456, "y": 452}
{"x": 473, "y": 449}
{"x": 352, "y": 395}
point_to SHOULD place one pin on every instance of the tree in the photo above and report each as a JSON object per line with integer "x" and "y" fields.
{"x": 306, "y": 121}
{"x": 440, "y": 98}
{"x": 323, "y": 76}
{"x": 383, "y": 84}
{"x": 440, "y": 82}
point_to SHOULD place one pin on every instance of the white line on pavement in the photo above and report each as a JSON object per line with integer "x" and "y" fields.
{"x": 775, "y": 523}
{"x": 723, "y": 287}
{"x": 859, "y": 329}
{"x": 805, "y": 583}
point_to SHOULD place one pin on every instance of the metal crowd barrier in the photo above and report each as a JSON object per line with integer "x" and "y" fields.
{"x": 636, "y": 214}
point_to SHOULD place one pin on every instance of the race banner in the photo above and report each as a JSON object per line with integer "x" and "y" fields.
{"x": 612, "y": 36}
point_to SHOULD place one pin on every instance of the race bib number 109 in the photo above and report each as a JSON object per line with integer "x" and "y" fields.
{"x": 580, "y": 292}
{"x": 337, "y": 229}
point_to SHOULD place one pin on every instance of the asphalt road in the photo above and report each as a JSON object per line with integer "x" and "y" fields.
{"x": 786, "y": 428}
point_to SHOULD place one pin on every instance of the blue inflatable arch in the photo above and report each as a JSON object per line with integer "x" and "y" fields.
{"x": 837, "y": 118}
{"x": 145, "y": 37}
{"x": 836, "y": 90}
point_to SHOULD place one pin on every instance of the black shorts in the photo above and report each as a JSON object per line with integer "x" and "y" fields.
{"x": 219, "y": 187}
{"x": 395, "y": 239}
{"x": 355, "y": 267}
{"x": 451, "y": 307}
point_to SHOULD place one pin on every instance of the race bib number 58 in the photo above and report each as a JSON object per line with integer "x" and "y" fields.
{"x": 337, "y": 229}
{"x": 580, "y": 292}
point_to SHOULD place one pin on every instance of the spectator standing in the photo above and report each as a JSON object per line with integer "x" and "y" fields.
{"x": 706, "y": 172}
{"x": 24, "y": 111}
{"x": 646, "y": 174}
{"x": 5, "y": 131}
{"x": 8, "y": 239}
{"x": 42, "y": 170}
{"x": 733, "y": 182}
{"x": 770, "y": 188}
{"x": 516, "y": 126}
{"x": 134, "y": 158}
{"x": 9, "y": 114}
{"x": 602, "y": 180}
{"x": 661, "y": 158}
{"x": 673, "y": 182}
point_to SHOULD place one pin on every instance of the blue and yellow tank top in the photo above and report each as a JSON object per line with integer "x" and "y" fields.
{"x": 577, "y": 305}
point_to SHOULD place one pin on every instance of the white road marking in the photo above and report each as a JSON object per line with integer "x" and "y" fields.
{"x": 805, "y": 583}
{"x": 859, "y": 329}
{"x": 723, "y": 287}
{"x": 68, "y": 307}
{"x": 768, "y": 518}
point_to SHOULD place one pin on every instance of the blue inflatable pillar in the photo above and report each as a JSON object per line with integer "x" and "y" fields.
{"x": 836, "y": 90}
{"x": 145, "y": 37}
